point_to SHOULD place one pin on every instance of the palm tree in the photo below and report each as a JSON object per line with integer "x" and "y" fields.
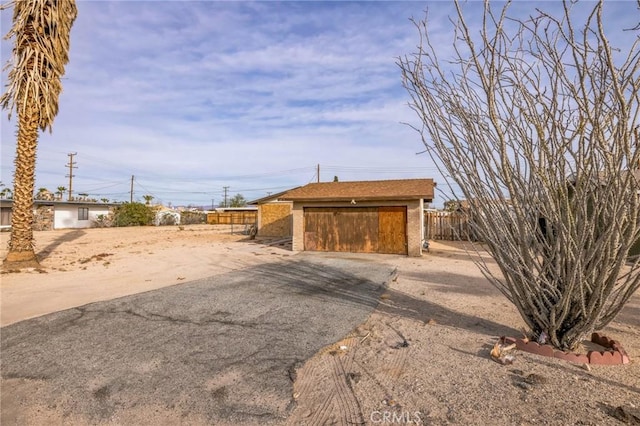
{"x": 40, "y": 30}
{"x": 43, "y": 194}
{"x": 61, "y": 190}
{"x": 148, "y": 198}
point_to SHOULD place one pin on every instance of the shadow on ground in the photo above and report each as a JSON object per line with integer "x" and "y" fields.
{"x": 451, "y": 282}
{"x": 397, "y": 303}
{"x": 64, "y": 238}
{"x": 213, "y": 351}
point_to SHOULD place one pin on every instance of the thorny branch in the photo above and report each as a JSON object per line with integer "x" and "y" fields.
{"x": 536, "y": 121}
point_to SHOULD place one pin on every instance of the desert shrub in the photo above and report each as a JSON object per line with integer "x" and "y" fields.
{"x": 192, "y": 218}
{"x": 103, "y": 221}
{"x": 133, "y": 214}
{"x": 167, "y": 218}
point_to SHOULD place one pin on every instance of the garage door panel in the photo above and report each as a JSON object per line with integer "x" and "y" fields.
{"x": 310, "y": 241}
{"x": 352, "y": 229}
{"x": 319, "y": 227}
{"x": 356, "y": 229}
{"x": 393, "y": 230}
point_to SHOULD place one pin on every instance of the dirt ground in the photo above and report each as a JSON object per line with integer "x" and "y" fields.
{"x": 422, "y": 357}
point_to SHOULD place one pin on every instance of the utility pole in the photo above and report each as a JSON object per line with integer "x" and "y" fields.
{"x": 131, "y": 191}
{"x": 226, "y": 188}
{"x": 71, "y": 165}
{"x": 318, "y": 173}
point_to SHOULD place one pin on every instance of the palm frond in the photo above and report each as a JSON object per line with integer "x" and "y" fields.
{"x": 41, "y": 29}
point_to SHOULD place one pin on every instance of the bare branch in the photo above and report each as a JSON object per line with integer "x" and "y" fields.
{"x": 536, "y": 121}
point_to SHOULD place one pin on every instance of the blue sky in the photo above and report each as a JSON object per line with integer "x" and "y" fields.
{"x": 190, "y": 97}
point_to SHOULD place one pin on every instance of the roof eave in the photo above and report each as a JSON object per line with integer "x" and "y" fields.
{"x": 357, "y": 198}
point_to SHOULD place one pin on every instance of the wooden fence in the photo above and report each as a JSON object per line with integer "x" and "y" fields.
{"x": 441, "y": 225}
{"x": 232, "y": 218}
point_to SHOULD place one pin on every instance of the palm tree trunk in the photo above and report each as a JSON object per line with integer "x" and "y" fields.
{"x": 21, "y": 248}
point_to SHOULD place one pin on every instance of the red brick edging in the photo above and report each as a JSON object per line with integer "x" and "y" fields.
{"x": 615, "y": 354}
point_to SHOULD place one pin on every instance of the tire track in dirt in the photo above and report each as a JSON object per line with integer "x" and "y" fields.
{"x": 323, "y": 389}
{"x": 322, "y": 416}
{"x": 398, "y": 352}
{"x": 348, "y": 407}
{"x": 397, "y": 363}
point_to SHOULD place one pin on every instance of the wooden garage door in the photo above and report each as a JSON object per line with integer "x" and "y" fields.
{"x": 392, "y": 230}
{"x": 356, "y": 229}
{"x": 341, "y": 229}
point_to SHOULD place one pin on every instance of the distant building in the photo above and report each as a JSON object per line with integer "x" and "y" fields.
{"x": 50, "y": 215}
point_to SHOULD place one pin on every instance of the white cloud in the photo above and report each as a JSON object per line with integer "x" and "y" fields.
{"x": 188, "y": 96}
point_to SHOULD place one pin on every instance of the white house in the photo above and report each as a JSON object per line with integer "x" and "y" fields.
{"x": 49, "y": 215}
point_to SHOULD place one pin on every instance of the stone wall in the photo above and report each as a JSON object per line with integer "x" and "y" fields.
{"x": 43, "y": 218}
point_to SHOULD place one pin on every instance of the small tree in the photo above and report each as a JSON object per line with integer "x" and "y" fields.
{"x": 148, "y": 199}
{"x": 238, "y": 200}
{"x": 537, "y": 122}
{"x": 6, "y": 193}
{"x": 60, "y": 191}
{"x": 451, "y": 205}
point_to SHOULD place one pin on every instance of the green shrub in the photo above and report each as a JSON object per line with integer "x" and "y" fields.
{"x": 133, "y": 214}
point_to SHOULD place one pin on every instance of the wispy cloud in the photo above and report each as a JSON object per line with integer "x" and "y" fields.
{"x": 192, "y": 96}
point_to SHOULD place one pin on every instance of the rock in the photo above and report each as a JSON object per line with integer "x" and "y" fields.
{"x": 524, "y": 385}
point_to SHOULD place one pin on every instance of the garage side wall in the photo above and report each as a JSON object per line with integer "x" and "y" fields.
{"x": 274, "y": 220}
{"x": 415, "y": 223}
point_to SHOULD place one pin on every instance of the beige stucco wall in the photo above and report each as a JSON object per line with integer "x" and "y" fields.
{"x": 415, "y": 223}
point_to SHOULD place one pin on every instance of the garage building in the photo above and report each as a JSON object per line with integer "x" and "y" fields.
{"x": 384, "y": 216}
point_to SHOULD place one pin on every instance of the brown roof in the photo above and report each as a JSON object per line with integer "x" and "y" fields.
{"x": 272, "y": 197}
{"x": 402, "y": 189}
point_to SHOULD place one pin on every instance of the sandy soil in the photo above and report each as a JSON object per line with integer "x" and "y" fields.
{"x": 421, "y": 358}
{"x": 88, "y": 265}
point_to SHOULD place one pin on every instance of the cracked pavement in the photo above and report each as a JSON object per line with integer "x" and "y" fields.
{"x": 221, "y": 350}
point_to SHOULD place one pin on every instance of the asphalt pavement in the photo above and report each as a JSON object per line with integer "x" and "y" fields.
{"x": 222, "y": 350}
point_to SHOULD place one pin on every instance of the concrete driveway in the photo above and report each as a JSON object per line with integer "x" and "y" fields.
{"x": 222, "y": 350}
